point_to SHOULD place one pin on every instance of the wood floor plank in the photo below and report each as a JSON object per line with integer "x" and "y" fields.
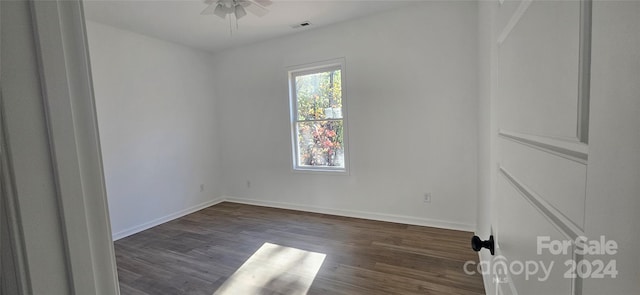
{"x": 198, "y": 253}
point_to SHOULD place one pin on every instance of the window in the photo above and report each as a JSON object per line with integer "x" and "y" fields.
{"x": 318, "y": 123}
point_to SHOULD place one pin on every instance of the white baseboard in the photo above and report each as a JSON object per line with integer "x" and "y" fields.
{"x": 357, "y": 214}
{"x": 292, "y": 206}
{"x": 161, "y": 220}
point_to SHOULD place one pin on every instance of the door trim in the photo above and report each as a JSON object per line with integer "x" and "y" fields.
{"x": 20, "y": 269}
{"x": 570, "y": 150}
{"x": 584, "y": 71}
{"x": 67, "y": 91}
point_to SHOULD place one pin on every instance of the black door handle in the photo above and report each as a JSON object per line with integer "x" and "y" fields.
{"x": 477, "y": 244}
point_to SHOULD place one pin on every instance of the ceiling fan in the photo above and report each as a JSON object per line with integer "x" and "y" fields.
{"x": 237, "y": 8}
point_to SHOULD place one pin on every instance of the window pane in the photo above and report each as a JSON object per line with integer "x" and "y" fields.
{"x": 319, "y": 96}
{"x": 320, "y": 144}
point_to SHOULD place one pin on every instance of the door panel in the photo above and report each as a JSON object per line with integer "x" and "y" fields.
{"x": 559, "y": 181}
{"x": 542, "y": 158}
{"x": 538, "y": 70}
{"x": 518, "y": 244}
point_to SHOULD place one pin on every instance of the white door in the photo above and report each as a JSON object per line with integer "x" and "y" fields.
{"x": 542, "y": 112}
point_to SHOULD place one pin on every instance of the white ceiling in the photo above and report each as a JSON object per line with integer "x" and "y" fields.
{"x": 180, "y": 20}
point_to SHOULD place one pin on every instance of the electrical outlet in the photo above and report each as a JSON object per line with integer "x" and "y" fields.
{"x": 202, "y": 188}
{"x": 427, "y": 198}
{"x": 248, "y": 184}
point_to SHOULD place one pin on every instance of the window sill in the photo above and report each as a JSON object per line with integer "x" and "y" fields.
{"x": 320, "y": 171}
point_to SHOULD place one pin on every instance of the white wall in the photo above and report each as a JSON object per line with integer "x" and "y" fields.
{"x": 157, "y": 126}
{"x": 412, "y": 110}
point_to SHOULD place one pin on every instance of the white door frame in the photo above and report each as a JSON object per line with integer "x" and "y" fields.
{"x": 59, "y": 36}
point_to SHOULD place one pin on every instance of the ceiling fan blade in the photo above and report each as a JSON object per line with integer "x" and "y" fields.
{"x": 255, "y": 8}
{"x": 208, "y": 10}
{"x": 264, "y": 3}
{"x": 239, "y": 11}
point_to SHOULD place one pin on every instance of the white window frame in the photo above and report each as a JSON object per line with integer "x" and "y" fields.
{"x": 311, "y": 68}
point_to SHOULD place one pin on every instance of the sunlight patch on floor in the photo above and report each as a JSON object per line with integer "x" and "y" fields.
{"x": 276, "y": 268}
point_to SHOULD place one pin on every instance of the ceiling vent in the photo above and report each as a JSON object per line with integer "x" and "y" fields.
{"x": 301, "y": 25}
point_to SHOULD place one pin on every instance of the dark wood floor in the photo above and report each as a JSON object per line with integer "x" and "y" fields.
{"x": 196, "y": 254}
